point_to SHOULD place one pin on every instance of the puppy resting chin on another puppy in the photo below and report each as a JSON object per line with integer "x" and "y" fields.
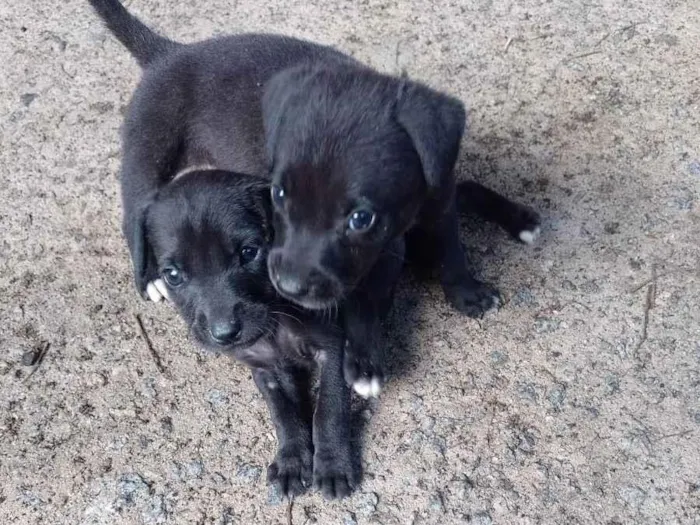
{"x": 361, "y": 166}
{"x": 209, "y": 234}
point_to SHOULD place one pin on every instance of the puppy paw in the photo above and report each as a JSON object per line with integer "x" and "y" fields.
{"x": 291, "y": 472}
{"x": 365, "y": 377}
{"x": 526, "y": 227}
{"x": 474, "y": 299}
{"x": 334, "y": 475}
{"x": 156, "y": 291}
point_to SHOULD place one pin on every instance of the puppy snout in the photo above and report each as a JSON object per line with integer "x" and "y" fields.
{"x": 291, "y": 285}
{"x": 225, "y": 331}
{"x": 287, "y": 278}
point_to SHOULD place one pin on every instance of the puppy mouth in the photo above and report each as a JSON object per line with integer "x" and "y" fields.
{"x": 312, "y": 303}
{"x": 322, "y": 297}
{"x": 248, "y": 340}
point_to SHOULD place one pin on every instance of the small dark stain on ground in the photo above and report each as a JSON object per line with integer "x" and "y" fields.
{"x": 612, "y": 227}
{"x": 28, "y": 98}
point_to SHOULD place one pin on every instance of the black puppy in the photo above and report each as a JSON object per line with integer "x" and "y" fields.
{"x": 357, "y": 159}
{"x": 208, "y": 233}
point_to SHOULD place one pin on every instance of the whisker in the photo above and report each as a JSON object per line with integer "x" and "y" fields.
{"x": 287, "y": 315}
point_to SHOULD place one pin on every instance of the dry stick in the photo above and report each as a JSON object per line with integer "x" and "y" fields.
{"x": 39, "y": 360}
{"x": 651, "y": 298}
{"x": 508, "y": 43}
{"x": 290, "y": 506}
{"x": 151, "y": 349}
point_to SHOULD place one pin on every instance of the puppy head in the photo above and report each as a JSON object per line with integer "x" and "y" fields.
{"x": 209, "y": 233}
{"x": 354, "y": 155}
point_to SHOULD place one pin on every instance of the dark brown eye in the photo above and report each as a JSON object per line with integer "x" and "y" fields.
{"x": 172, "y": 276}
{"x": 248, "y": 254}
{"x": 277, "y": 193}
{"x": 361, "y": 220}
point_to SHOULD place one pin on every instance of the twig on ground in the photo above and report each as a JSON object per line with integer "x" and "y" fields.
{"x": 39, "y": 360}
{"x": 648, "y": 305}
{"x": 290, "y": 506}
{"x": 508, "y": 43}
{"x": 149, "y": 345}
{"x": 583, "y": 55}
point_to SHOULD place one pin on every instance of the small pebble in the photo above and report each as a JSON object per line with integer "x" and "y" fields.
{"x": 30, "y": 357}
{"x": 217, "y": 398}
{"x": 694, "y": 167}
{"x": 436, "y": 504}
{"x": 367, "y": 503}
{"x": 349, "y": 519}
{"x": 481, "y": 518}
{"x": 274, "y": 498}
{"x": 556, "y": 396}
{"x": 195, "y": 468}
{"x": 528, "y": 391}
{"x": 499, "y": 358}
{"x": 248, "y": 473}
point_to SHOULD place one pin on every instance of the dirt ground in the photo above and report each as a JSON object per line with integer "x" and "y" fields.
{"x": 578, "y": 402}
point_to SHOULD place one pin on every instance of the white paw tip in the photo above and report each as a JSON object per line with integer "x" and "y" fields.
{"x": 368, "y": 388}
{"x": 153, "y": 293}
{"x": 363, "y": 388}
{"x": 529, "y": 236}
{"x": 496, "y": 302}
{"x": 162, "y": 288}
{"x": 376, "y": 387}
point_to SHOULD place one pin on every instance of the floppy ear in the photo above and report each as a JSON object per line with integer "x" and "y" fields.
{"x": 263, "y": 203}
{"x": 280, "y": 93}
{"x": 435, "y": 122}
{"x": 143, "y": 262}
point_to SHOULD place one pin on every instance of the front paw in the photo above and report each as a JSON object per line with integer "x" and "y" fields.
{"x": 291, "y": 471}
{"x": 334, "y": 474}
{"x": 365, "y": 376}
{"x": 473, "y": 299}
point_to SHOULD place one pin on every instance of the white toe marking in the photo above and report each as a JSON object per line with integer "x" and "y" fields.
{"x": 162, "y": 288}
{"x": 153, "y": 293}
{"x": 528, "y": 237}
{"x": 376, "y": 387}
{"x": 496, "y": 302}
{"x": 363, "y": 388}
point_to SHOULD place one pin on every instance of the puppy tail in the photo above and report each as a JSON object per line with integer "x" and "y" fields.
{"x": 144, "y": 44}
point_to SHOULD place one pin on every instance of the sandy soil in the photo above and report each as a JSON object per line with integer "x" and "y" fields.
{"x": 579, "y": 402}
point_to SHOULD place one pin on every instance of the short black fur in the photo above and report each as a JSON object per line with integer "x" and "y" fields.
{"x": 342, "y": 144}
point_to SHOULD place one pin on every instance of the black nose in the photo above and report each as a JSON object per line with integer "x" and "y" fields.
{"x": 225, "y": 332}
{"x": 291, "y": 285}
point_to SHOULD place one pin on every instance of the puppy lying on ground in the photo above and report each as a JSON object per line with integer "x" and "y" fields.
{"x": 361, "y": 163}
{"x": 208, "y": 233}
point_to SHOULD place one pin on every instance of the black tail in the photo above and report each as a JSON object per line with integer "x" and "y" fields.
{"x": 144, "y": 44}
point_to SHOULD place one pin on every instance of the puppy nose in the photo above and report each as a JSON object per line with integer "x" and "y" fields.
{"x": 224, "y": 332}
{"x": 291, "y": 285}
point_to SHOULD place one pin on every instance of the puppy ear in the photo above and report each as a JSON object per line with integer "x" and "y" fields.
{"x": 263, "y": 203}
{"x": 143, "y": 262}
{"x": 280, "y": 92}
{"x": 435, "y": 123}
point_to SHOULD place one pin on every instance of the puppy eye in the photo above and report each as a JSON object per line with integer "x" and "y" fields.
{"x": 278, "y": 195}
{"x": 361, "y": 220}
{"x": 248, "y": 254}
{"x": 173, "y": 276}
